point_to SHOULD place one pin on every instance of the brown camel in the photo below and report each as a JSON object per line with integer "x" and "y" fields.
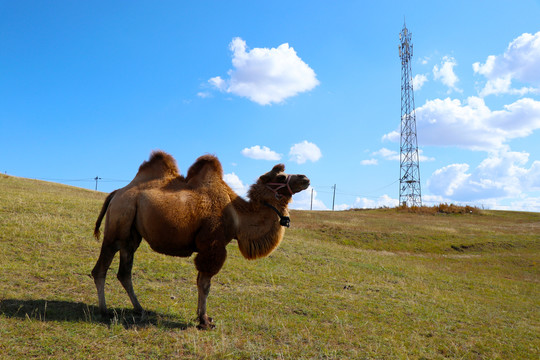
{"x": 199, "y": 213}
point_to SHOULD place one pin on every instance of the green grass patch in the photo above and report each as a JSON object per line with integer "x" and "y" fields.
{"x": 370, "y": 284}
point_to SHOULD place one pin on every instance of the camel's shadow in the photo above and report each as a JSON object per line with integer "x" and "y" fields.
{"x": 54, "y": 310}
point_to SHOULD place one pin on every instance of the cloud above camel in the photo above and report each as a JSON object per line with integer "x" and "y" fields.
{"x": 265, "y": 76}
{"x": 261, "y": 153}
{"x": 305, "y": 151}
{"x": 298, "y": 153}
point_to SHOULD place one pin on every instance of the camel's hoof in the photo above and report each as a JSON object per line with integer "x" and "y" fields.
{"x": 141, "y": 315}
{"x": 105, "y": 315}
{"x": 206, "y": 324}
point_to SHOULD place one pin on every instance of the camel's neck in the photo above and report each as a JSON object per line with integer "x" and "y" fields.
{"x": 258, "y": 229}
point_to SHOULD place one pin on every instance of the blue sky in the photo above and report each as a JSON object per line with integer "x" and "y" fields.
{"x": 90, "y": 88}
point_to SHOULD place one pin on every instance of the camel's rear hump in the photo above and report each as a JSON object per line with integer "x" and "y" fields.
{"x": 160, "y": 165}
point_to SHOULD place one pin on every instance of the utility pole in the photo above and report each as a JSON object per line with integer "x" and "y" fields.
{"x": 311, "y": 207}
{"x": 334, "y": 198}
{"x": 409, "y": 177}
{"x": 97, "y": 178}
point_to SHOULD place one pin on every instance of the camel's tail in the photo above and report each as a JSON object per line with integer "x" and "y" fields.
{"x": 104, "y": 208}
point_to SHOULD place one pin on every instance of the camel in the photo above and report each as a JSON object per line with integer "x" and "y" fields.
{"x": 199, "y": 213}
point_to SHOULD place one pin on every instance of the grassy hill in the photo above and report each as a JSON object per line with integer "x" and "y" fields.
{"x": 366, "y": 284}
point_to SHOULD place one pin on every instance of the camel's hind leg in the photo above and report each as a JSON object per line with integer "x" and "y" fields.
{"x": 124, "y": 270}
{"x": 99, "y": 273}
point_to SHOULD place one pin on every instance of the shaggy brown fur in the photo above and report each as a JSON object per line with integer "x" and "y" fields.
{"x": 179, "y": 216}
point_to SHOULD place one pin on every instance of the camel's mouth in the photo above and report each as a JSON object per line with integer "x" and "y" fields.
{"x": 302, "y": 184}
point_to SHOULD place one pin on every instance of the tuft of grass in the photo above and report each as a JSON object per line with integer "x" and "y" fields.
{"x": 370, "y": 284}
{"x": 442, "y": 208}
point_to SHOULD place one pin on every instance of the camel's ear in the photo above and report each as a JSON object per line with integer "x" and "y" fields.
{"x": 270, "y": 175}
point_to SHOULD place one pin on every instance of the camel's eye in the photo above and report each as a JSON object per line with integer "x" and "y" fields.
{"x": 281, "y": 178}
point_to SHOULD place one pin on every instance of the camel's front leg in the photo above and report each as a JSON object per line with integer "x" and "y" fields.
{"x": 203, "y": 285}
{"x": 208, "y": 261}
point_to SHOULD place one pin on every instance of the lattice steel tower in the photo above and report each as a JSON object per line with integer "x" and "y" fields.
{"x": 409, "y": 179}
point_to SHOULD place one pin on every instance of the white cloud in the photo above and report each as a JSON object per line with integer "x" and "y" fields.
{"x": 387, "y": 154}
{"x": 203, "y": 94}
{"x": 342, "y": 207}
{"x": 446, "y": 73}
{"x": 392, "y": 155}
{"x": 446, "y": 180}
{"x": 305, "y": 151}
{"x": 369, "y": 162}
{"x": 383, "y": 201}
{"x": 258, "y": 153}
{"x": 302, "y": 200}
{"x": 418, "y": 81}
{"x": 236, "y": 184}
{"x": 265, "y": 75}
{"x": 502, "y": 174}
{"x": 430, "y": 199}
{"x": 532, "y": 178}
{"x": 218, "y": 83}
{"x": 472, "y": 125}
{"x": 502, "y": 85}
{"x": 392, "y": 136}
{"x": 520, "y": 61}
{"x": 526, "y": 204}
{"x": 424, "y": 158}
{"x": 425, "y": 60}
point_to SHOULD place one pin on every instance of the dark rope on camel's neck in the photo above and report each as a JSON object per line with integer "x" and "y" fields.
{"x": 283, "y": 220}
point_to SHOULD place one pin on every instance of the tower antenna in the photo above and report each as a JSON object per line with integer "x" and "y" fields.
{"x": 409, "y": 177}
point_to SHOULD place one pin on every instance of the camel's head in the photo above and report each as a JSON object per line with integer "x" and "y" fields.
{"x": 281, "y": 184}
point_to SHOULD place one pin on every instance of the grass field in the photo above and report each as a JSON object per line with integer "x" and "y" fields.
{"x": 366, "y": 284}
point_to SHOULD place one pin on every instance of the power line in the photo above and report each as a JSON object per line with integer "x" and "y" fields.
{"x": 82, "y": 180}
{"x": 66, "y": 180}
{"x": 322, "y": 189}
{"x": 347, "y": 193}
